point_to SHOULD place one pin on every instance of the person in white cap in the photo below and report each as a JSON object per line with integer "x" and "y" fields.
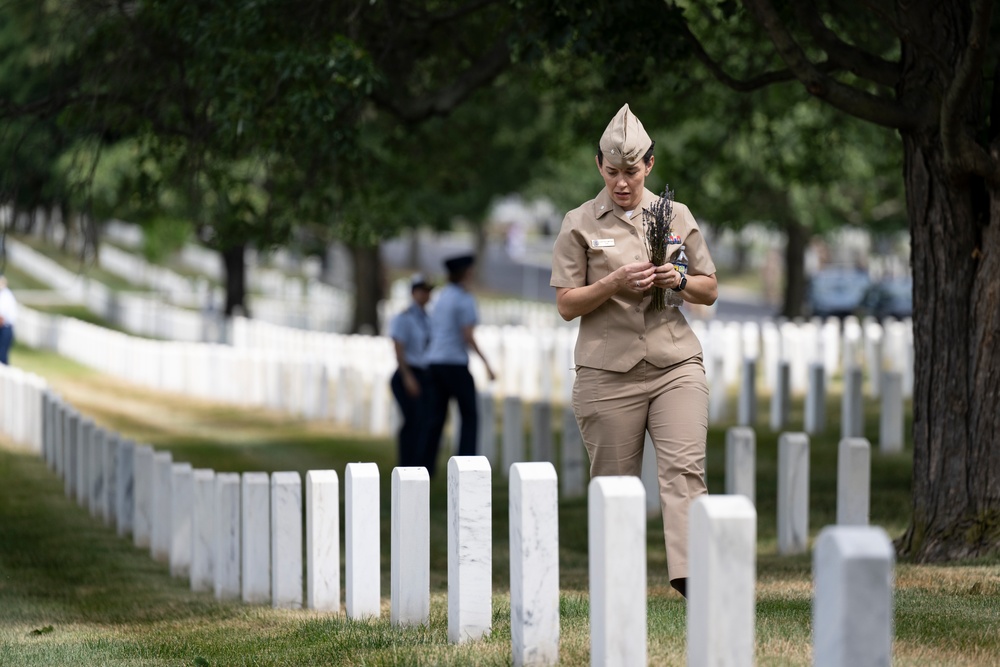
{"x": 410, "y": 331}
{"x": 8, "y": 317}
{"x": 637, "y": 368}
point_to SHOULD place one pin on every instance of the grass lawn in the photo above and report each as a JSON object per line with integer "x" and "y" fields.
{"x": 19, "y": 280}
{"x": 73, "y": 593}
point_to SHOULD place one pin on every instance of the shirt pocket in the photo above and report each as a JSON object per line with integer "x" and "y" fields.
{"x": 597, "y": 264}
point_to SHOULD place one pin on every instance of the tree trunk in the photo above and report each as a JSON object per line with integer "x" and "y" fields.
{"x": 796, "y": 238}
{"x": 955, "y": 232}
{"x": 368, "y": 288}
{"x": 234, "y": 261}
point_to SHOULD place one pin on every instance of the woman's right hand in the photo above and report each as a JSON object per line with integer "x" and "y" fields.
{"x": 636, "y": 277}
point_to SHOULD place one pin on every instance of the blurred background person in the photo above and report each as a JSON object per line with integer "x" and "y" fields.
{"x": 411, "y": 335}
{"x": 8, "y": 317}
{"x": 453, "y": 322}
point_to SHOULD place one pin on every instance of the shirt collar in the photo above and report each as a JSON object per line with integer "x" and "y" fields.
{"x": 604, "y": 204}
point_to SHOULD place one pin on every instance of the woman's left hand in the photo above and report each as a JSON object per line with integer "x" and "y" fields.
{"x": 666, "y": 276}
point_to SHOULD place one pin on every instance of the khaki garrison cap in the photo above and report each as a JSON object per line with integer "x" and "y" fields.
{"x": 624, "y": 141}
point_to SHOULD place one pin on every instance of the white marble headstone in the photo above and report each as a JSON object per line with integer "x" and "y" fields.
{"x": 722, "y": 553}
{"x": 286, "y": 540}
{"x": 410, "y": 548}
{"x": 815, "y": 408}
{"x": 891, "y": 417}
{"x": 470, "y": 548}
{"x": 573, "y": 461}
{"x": 781, "y": 397}
{"x": 109, "y": 497}
{"x": 181, "y": 511}
{"x": 46, "y": 431}
{"x": 323, "y": 540}
{"x": 124, "y": 487}
{"x": 873, "y": 354}
{"x": 513, "y": 432}
{"x": 84, "y": 446}
{"x": 98, "y": 444}
{"x": 487, "y": 426}
{"x": 71, "y": 452}
{"x": 58, "y": 419}
{"x": 616, "y": 518}
{"x": 255, "y": 530}
{"x": 362, "y": 587}
{"x": 160, "y": 519}
{"x": 534, "y": 564}
{"x": 793, "y": 493}
{"x": 852, "y": 405}
{"x": 852, "y": 606}
{"x": 227, "y": 565}
{"x": 747, "y": 406}
{"x": 853, "y": 481}
{"x": 741, "y": 462}
{"x": 717, "y": 390}
{"x": 541, "y": 431}
{"x": 203, "y": 530}
{"x": 143, "y": 475}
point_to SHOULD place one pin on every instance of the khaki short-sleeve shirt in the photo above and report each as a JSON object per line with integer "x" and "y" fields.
{"x": 595, "y": 240}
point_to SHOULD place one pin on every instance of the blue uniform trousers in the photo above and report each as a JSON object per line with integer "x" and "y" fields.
{"x": 414, "y": 409}
{"x": 450, "y": 381}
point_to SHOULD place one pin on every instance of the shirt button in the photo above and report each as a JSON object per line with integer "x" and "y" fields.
{"x": 633, "y": 232}
{"x": 637, "y": 256}
{"x": 637, "y": 309}
{"x": 641, "y": 337}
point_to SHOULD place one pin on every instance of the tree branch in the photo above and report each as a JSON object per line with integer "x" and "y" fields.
{"x": 858, "y": 61}
{"x": 42, "y": 107}
{"x": 960, "y": 150}
{"x": 446, "y": 98}
{"x": 457, "y": 13}
{"x": 856, "y": 102}
{"x": 742, "y": 85}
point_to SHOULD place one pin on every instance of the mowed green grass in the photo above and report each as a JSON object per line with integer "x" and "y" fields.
{"x": 73, "y": 593}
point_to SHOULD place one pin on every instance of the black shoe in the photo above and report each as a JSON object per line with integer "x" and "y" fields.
{"x": 680, "y": 585}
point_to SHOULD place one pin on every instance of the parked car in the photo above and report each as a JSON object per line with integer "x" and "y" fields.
{"x": 836, "y": 292}
{"x": 892, "y": 297}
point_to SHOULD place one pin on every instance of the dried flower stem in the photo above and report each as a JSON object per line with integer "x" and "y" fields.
{"x": 656, "y": 222}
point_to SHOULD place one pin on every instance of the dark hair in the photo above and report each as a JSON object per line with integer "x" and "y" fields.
{"x": 456, "y": 275}
{"x": 645, "y": 158}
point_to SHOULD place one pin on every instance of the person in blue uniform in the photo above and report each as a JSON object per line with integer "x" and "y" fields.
{"x": 453, "y": 322}
{"x": 8, "y": 315}
{"x": 410, "y": 331}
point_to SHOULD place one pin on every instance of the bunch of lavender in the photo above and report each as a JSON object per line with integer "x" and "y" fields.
{"x": 656, "y": 222}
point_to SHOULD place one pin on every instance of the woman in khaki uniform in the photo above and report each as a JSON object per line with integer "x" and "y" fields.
{"x": 637, "y": 369}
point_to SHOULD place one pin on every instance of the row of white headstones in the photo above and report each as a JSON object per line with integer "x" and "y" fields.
{"x": 241, "y": 536}
{"x": 320, "y": 375}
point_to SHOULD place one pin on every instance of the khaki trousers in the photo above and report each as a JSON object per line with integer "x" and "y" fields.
{"x": 615, "y": 410}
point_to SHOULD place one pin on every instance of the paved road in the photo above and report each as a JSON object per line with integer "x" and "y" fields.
{"x": 529, "y": 279}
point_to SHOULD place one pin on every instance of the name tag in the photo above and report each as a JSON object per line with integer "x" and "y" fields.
{"x": 602, "y": 243}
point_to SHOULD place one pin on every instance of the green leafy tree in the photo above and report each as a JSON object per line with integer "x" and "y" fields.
{"x": 207, "y": 86}
{"x": 31, "y": 139}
